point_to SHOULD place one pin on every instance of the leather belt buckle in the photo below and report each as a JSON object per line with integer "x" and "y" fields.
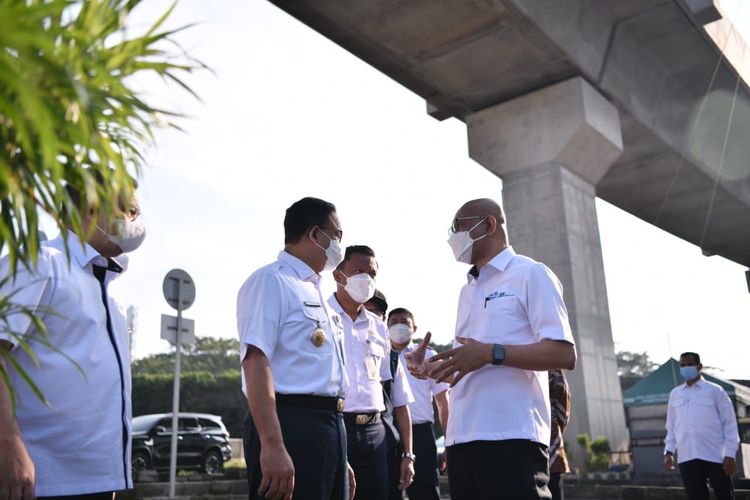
{"x": 340, "y": 405}
{"x": 362, "y": 419}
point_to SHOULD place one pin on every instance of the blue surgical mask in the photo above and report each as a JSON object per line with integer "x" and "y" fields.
{"x": 689, "y": 372}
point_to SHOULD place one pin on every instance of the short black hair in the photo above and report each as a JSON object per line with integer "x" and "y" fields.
{"x": 401, "y": 310}
{"x": 379, "y": 300}
{"x": 363, "y": 249}
{"x": 304, "y": 215}
{"x": 695, "y": 355}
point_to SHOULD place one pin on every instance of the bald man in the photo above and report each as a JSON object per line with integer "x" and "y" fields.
{"x": 512, "y": 327}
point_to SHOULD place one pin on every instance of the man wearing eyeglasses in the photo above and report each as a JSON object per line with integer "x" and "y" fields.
{"x": 80, "y": 362}
{"x": 512, "y": 327}
{"x": 293, "y": 365}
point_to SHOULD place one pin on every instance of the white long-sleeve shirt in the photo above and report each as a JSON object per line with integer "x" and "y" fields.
{"x": 701, "y": 423}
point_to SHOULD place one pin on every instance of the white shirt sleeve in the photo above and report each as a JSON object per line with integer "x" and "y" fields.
{"x": 385, "y": 365}
{"x": 547, "y": 313}
{"x": 260, "y": 311}
{"x": 24, "y": 296}
{"x": 670, "y": 442}
{"x": 729, "y": 422}
{"x": 402, "y": 394}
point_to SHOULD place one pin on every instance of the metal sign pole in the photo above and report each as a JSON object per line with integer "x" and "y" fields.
{"x": 175, "y": 396}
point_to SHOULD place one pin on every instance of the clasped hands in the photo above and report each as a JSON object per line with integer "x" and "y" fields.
{"x": 452, "y": 365}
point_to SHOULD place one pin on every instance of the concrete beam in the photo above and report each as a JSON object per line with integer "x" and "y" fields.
{"x": 568, "y": 123}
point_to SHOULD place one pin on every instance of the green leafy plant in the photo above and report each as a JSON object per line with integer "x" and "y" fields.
{"x": 597, "y": 452}
{"x": 69, "y": 115}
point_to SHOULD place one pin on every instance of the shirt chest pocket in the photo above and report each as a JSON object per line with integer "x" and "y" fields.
{"x": 703, "y": 401}
{"x": 503, "y": 314}
{"x": 374, "y": 355}
{"x": 314, "y": 331}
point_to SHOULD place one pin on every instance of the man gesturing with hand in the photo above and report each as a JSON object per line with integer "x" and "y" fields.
{"x": 512, "y": 326}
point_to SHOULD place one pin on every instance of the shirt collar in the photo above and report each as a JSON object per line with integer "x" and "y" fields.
{"x": 699, "y": 383}
{"x": 302, "y": 270}
{"x": 334, "y": 303}
{"x": 84, "y": 254}
{"x": 499, "y": 262}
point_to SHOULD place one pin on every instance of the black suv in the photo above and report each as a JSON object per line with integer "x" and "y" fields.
{"x": 202, "y": 442}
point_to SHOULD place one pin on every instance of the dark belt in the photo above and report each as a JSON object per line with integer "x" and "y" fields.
{"x": 422, "y": 425}
{"x": 361, "y": 418}
{"x": 310, "y": 402}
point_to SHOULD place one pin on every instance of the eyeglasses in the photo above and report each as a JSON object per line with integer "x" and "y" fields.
{"x": 337, "y": 235}
{"x": 455, "y": 227}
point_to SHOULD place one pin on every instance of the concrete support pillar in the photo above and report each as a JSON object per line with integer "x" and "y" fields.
{"x": 551, "y": 148}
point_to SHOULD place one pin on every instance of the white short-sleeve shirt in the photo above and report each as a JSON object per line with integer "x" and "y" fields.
{"x": 423, "y": 390}
{"x": 81, "y": 443}
{"x": 701, "y": 423}
{"x": 513, "y": 301}
{"x": 368, "y": 348}
{"x": 280, "y": 310}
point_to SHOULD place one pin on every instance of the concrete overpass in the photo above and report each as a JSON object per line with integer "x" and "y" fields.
{"x": 566, "y": 100}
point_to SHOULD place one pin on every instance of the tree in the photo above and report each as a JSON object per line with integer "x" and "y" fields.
{"x": 634, "y": 364}
{"x": 597, "y": 452}
{"x": 208, "y": 354}
{"x": 69, "y": 115}
{"x": 210, "y": 382}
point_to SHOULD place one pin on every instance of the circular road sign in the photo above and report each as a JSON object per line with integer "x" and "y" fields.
{"x": 178, "y": 285}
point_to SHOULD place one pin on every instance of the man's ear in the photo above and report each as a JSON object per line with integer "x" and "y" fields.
{"x": 339, "y": 277}
{"x": 492, "y": 225}
{"x": 311, "y": 233}
{"x": 415, "y": 329}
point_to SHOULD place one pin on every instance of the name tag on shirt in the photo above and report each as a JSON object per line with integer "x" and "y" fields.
{"x": 372, "y": 368}
{"x": 311, "y": 304}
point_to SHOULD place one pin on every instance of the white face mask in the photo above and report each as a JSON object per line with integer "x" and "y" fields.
{"x": 334, "y": 254}
{"x": 360, "y": 287}
{"x": 400, "y": 333}
{"x": 461, "y": 243}
{"x": 128, "y": 234}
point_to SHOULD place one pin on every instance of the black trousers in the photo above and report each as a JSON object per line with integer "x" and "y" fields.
{"x": 695, "y": 474}
{"x": 394, "y": 470}
{"x": 556, "y": 486}
{"x": 316, "y": 442}
{"x": 426, "y": 485}
{"x": 366, "y": 449}
{"x": 513, "y": 469}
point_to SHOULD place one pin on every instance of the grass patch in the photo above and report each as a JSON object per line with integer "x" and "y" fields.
{"x": 235, "y": 463}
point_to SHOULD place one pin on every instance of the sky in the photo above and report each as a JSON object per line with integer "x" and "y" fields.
{"x": 285, "y": 113}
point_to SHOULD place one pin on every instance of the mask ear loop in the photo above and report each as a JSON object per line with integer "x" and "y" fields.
{"x": 474, "y": 240}
{"x": 312, "y": 238}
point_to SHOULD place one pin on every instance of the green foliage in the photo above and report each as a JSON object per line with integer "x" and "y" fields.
{"x": 597, "y": 452}
{"x": 600, "y": 446}
{"x": 208, "y": 354}
{"x": 69, "y": 115}
{"x": 210, "y": 382}
{"x": 584, "y": 440}
{"x": 235, "y": 463}
{"x": 634, "y": 364}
